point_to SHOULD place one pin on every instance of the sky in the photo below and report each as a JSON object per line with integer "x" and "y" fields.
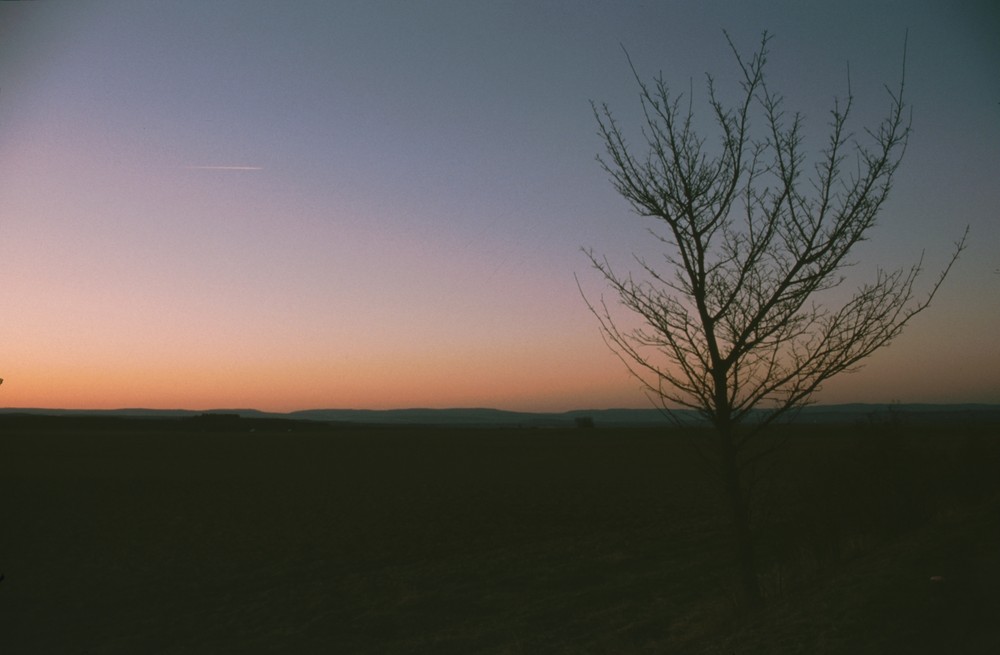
{"x": 292, "y": 205}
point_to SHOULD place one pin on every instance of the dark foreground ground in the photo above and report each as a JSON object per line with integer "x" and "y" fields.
{"x": 181, "y": 537}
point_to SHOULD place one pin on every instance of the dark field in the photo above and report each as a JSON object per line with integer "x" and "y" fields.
{"x": 174, "y": 537}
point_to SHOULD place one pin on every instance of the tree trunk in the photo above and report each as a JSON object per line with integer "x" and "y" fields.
{"x": 739, "y": 508}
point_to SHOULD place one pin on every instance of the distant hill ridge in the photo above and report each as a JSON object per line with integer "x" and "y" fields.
{"x": 846, "y": 413}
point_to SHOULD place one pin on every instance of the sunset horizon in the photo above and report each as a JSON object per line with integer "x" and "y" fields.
{"x": 287, "y": 206}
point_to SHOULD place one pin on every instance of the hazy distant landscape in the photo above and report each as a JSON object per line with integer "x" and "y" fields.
{"x": 260, "y": 534}
{"x": 483, "y": 417}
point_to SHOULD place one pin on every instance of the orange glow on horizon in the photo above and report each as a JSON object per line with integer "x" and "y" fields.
{"x": 384, "y": 384}
{"x": 389, "y": 384}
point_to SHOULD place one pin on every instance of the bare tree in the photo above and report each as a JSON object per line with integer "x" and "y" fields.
{"x": 736, "y": 325}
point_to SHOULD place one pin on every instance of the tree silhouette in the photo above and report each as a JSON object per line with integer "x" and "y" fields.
{"x": 736, "y": 325}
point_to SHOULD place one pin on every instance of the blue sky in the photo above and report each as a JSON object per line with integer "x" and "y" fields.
{"x": 381, "y": 204}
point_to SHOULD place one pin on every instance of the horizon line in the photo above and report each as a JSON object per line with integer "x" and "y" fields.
{"x": 469, "y": 408}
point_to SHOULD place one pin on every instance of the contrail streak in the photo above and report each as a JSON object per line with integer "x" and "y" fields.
{"x": 225, "y": 168}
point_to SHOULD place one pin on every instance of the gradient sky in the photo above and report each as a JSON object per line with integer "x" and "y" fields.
{"x": 290, "y": 205}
